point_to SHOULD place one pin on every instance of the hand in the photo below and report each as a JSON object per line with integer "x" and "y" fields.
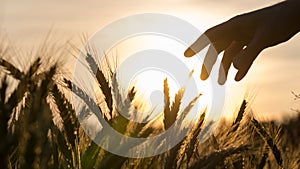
{"x": 243, "y": 37}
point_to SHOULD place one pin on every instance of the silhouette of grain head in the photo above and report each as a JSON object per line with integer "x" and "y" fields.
{"x": 171, "y": 112}
{"x": 102, "y": 81}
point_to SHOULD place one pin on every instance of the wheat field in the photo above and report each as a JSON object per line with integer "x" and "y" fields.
{"x": 39, "y": 127}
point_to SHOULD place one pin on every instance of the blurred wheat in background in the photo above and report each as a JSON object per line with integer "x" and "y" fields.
{"x": 39, "y": 126}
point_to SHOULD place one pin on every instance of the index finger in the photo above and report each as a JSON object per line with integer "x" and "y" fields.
{"x": 197, "y": 46}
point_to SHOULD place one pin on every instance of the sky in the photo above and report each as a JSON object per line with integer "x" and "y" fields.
{"x": 268, "y": 84}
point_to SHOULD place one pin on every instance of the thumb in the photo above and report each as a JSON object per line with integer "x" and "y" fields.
{"x": 245, "y": 58}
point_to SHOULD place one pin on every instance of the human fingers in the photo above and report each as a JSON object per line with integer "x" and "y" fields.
{"x": 209, "y": 61}
{"x": 212, "y": 35}
{"x": 229, "y": 53}
{"x": 245, "y": 58}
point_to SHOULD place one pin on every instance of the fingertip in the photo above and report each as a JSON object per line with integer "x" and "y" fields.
{"x": 189, "y": 53}
{"x": 204, "y": 74}
{"x": 222, "y": 80}
{"x": 239, "y": 76}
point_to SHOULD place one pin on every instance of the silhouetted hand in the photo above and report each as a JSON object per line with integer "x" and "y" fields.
{"x": 243, "y": 37}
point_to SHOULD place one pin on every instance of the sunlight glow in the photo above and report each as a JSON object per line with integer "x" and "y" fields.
{"x": 149, "y": 81}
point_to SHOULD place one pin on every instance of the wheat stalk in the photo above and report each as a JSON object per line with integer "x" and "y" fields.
{"x": 268, "y": 139}
{"x": 68, "y": 115}
{"x": 217, "y": 157}
{"x": 239, "y": 117}
{"x": 264, "y": 157}
{"x": 167, "y": 110}
{"x": 188, "y": 147}
{"x": 170, "y": 116}
{"x": 104, "y": 85}
{"x": 13, "y": 71}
